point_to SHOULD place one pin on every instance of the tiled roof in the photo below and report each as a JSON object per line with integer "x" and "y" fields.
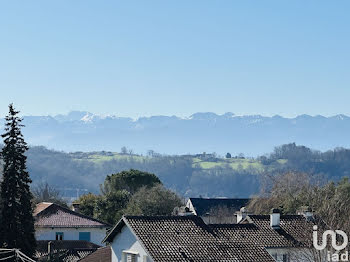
{"x": 188, "y": 238}
{"x": 205, "y": 205}
{"x": 68, "y": 250}
{"x": 40, "y": 207}
{"x": 294, "y": 231}
{"x": 57, "y": 216}
{"x": 103, "y": 254}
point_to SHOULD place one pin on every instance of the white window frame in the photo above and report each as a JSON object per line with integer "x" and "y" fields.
{"x": 129, "y": 253}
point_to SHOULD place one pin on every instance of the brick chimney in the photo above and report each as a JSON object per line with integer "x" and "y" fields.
{"x": 275, "y": 218}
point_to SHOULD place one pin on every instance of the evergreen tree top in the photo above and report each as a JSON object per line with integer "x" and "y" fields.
{"x": 13, "y": 137}
{"x": 16, "y": 216}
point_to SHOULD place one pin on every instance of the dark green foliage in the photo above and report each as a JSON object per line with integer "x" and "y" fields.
{"x": 87, "y": 204}
{"x": 228, "y": 155}
{"x": 129, "y": 192}
{"x": 155, "y": 201}
{"x": 109, "y": 207}
{"x": 17, "y": 222}
{"x": 115, "y": 194}
{"x": 130, "y": 181}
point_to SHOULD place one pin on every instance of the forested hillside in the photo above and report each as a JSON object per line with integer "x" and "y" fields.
{"x": 189, "y": 175}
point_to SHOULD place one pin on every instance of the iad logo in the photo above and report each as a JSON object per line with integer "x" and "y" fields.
{"x": 344, "y": 256}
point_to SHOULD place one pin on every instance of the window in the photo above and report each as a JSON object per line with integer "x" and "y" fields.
{"x": 129, "y": 256}
{"x": 84, "y": 236}
{"x": 285, "y": 258}
{"x": 59, "y": 235}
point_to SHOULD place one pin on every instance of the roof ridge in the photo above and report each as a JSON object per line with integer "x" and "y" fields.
{"x": 54, "y": 205}
{"x": 213, "y": 198}
{"x": 282, "y": 216}
{"x": 161, "y": 217}
{"x": 232, "y": 225}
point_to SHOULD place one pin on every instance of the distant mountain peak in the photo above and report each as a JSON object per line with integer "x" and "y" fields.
{"x": 340, "y": 117}
{"x": 83, "y": 116}
{"x": 211, "y": 116}
{"x": 201, "y": 132}
{"x": 88, "y": 118}
{"x": 72, "y": 116}
{"x": 203, "y": 116}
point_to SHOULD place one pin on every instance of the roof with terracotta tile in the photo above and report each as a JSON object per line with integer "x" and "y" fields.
{"x": 57, "y": 216}
{"x": 103, "y": 254}
{"x": 40, "y": 207}
{"x": 188, "y": 238}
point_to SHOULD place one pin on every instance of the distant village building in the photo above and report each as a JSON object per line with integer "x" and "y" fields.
{"x": 217, "y": 210}
{"x": 54, "y": 222}
{"x": 263, "y": 238}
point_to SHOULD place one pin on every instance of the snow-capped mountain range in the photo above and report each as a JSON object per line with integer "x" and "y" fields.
{"x": 201, "y": 132}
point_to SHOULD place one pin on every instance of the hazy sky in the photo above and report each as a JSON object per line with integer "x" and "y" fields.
{"x": 146, "y": 57}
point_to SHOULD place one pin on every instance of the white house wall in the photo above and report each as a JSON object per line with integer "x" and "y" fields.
{"x": 191, "y": 207}
{"x": 126, "y": 240}
{"x": 96, "y": 234}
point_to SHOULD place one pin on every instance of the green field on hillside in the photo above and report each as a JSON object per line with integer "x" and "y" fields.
{"x": 99, "y": 158}
{"x": 234, "y": 163}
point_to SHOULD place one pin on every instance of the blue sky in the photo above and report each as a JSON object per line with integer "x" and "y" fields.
{"x": 140, "y": 58}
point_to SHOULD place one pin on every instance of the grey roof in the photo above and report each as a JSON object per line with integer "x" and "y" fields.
{"x": 294, "y": 231}
{"x": 188, "y": 238}
{"x": 67, "y": 250}
{"x": 203, "y": 206}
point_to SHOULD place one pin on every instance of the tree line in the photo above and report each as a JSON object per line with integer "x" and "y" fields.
{"x": 179, "y": 173}
{"x": 131, "y": 192}
{"x": 294, "y": 192}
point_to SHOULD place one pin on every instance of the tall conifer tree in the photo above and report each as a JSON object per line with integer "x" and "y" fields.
{"x": 16, "y": 218}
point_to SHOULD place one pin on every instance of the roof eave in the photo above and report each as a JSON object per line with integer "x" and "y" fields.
{"x": 112, "y": 233}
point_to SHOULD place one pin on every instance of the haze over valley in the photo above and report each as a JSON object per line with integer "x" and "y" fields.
{"x": 200, "y": 132}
